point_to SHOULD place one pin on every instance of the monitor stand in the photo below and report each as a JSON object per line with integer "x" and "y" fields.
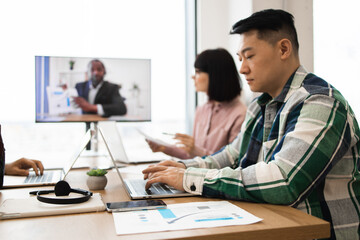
{"x": 92, "y": 148}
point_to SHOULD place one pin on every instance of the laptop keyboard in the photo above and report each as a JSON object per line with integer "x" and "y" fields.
{"x": 155, "y": 189}
{"x": 46, "y": 177}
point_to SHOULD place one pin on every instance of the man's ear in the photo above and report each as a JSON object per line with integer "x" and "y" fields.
{"x": 285, "y": 48}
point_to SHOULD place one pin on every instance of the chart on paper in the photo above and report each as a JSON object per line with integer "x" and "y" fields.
{"x": 182, "y": 216}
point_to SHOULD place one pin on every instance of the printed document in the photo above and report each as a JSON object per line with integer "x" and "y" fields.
{"x": 155, "y": 140}
{"x": 182, "y": 216}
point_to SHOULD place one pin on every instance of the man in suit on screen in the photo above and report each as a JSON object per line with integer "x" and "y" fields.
{"x": 97, "y": 96}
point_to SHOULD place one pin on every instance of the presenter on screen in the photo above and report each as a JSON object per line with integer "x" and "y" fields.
{"x": 218, "y": 121}
{"x": 97, "y": 96}
{"x": 20, "y": 167}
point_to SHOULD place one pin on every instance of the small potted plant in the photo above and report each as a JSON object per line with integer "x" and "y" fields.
{"x": 71, "y": 63}
{"x": 96, "y": 179}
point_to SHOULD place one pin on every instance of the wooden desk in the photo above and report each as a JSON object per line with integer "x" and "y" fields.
{"x": 279, "y": 222}
{"x": 83, "y": 118}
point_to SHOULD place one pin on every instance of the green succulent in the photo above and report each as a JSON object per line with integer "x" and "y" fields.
{"x": 96, "y": 172}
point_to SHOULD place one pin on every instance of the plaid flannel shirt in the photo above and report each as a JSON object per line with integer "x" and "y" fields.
{"x": 299, "y": 149}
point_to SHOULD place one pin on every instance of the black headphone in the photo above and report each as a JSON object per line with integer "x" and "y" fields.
{"x": 62, "y": 188}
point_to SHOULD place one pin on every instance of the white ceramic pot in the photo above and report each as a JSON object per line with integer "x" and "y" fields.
{"x": 96, "y": 182}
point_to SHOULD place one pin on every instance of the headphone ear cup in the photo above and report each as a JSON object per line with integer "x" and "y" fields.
{"x": 62, "y": 188}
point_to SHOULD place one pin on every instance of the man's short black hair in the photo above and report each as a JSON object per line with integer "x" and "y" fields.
{"x": 224, "y": 79}
{"x": 95, "y": 60}
{"x": 271, "y": 25}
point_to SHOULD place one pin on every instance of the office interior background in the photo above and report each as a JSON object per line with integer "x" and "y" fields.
{"x": 170, "y": 33}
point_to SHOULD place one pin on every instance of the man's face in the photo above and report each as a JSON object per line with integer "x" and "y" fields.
{"x": 97, "y": 72}
{"x": 260, "y": 64}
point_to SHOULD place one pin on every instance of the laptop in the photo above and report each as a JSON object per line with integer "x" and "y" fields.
{"x": 115, "y": 144}
{"x": 135, "y": 187}
{"x": 50, "y": 176}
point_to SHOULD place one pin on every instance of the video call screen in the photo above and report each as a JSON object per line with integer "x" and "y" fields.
{"x": 58, "y": 80}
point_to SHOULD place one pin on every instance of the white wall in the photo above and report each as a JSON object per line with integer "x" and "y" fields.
{"x": 337, "y": 49}
{"x": 215, "y": 19}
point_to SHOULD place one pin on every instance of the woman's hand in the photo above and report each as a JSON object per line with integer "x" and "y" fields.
{"x": 186, "y": 142}
{"x": 155, "y": 147}
{"x": 21, "y": 167}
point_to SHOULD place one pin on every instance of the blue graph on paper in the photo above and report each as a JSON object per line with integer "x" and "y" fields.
{"x": 171, "y": 217}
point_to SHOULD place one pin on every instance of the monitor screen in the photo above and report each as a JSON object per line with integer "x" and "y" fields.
{"x": 84, "y": 89}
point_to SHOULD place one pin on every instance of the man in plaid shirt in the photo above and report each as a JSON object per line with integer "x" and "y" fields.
{"x": 299, "y": 144}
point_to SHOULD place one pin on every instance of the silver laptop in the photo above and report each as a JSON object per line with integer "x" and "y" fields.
{"x": 135, "y": 187}
{"x": 116, "y": 146}
{"x": 50, "y": 176}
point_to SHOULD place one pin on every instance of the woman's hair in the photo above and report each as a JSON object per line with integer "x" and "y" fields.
{"x": 224, "y": 79}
